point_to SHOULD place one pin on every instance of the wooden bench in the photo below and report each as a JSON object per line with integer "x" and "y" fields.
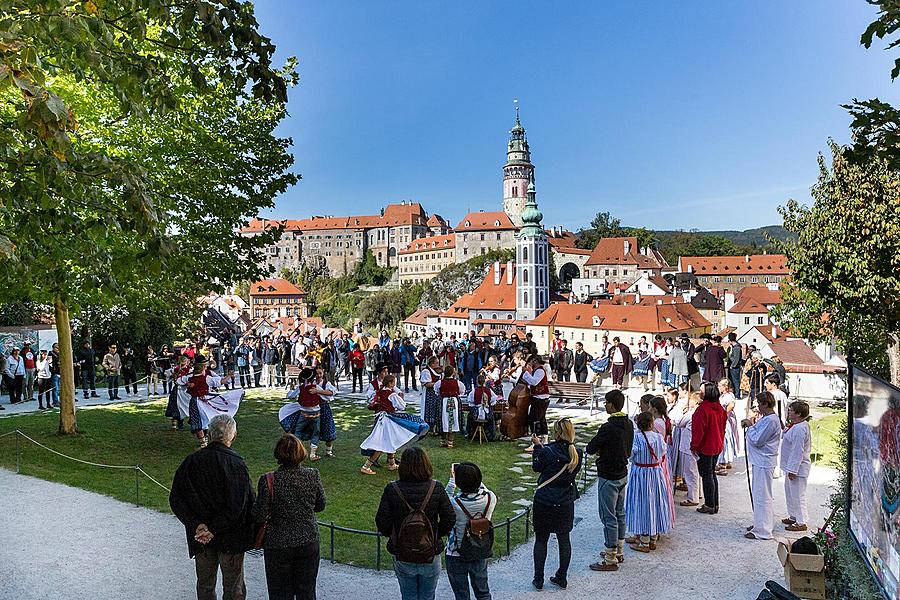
{"x": 292, "y": 374}
{"x": 571, "y": 390}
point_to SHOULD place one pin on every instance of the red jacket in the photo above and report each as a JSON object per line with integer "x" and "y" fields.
{"x": 708, "y": 428}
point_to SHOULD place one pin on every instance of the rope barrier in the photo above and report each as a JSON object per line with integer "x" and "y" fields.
{"x": 152, "y": 479}
{"x": 72, "y": 458}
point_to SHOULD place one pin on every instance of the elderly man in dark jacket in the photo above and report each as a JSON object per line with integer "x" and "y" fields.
{"x": 213, "y": 497}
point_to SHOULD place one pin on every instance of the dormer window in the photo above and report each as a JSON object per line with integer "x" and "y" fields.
{"x": 467, "y": 224}
{"x": 497, "y": 223}
{"x": 595, "y": 321}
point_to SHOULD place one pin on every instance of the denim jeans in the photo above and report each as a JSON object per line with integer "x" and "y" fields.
{"x": 611, "y": 495}
{"x": 461, "y": 572}
{"x": 88, "y": 379}
{"x": 54, "y": 390}
{"x": 308, "y": 428}
{"x": 734, "y": 376}
{"x": 417, "y": 581}
{"x": 112, "y": 386}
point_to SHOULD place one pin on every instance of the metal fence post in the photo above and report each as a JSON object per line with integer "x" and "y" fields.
{"x": 378, "y": 551}
{"x": 507, "y": 536}
{"x": 527, "y": 519}
{"x": 332, "y": 541}
{"x": 137, "y": 485}
{"x": 18, "y": 456}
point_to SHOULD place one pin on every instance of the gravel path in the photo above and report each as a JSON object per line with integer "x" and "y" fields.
{"x": 62, "y": 542}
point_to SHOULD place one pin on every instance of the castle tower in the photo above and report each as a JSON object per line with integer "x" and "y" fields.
{"x": 518, "y": 172}
{"x": 532, "y": 262}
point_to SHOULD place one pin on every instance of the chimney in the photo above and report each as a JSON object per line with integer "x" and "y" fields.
{"x": 509, "y": 272}
{"x": 729, "y": 301}
{"x": 690, "y": 269}
{"x": 746, "y": 258}
{"x": 627, "y": 246}
{"x": 774, "y": 332}
{"x": 637, "y": 297}
{"x": 659, "y": 301}
{"x": 497, "y": 273}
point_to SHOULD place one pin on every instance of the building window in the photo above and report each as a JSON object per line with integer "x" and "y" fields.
{"x": 498, "y": 236}
{"x": 746, "y": 320}
{"x": 524, "y": 275}
{"x": 760, "y": 320}
{"x": 525, "y": 299}
{"x": 525, "y": 254}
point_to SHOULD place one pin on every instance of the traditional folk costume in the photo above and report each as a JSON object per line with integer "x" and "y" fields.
{"x": 327, "y": 429}
{"x": 730, "y": 449}
{"x": 540, "y": 400}
{"x": 648, "y": 504}
{"x": 796, "y": 443}
{"x": 664, "y": 428}
{"x": 763, "y": 440}
{"x": 431, "y": 405}
{"x": 206, "y": 401}
{"x": 303, "y": 416}
{"x": 676, "y": 466}
{"x": 449, "y": 390}
{"x": 493, "y": 379}
{"x": 393, "y": 428}
{"x": 178, "y": 407}
{"x": 481, "y": 400}
{"x": 687, "y": 464}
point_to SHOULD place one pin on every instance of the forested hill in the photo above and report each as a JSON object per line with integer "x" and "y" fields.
{"x": 749, "y": 237}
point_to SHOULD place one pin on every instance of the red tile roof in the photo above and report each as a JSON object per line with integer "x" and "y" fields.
{"x": 612, "y": 251}
{"x": 436, "y": 220}
{"x": 485, "y": 221}
{"x": 748, "y": 305}
{"x": 394, "y": 215}
{"x": 434, "y": 242}
{"x": 272, "y": 287}
{"x": 420, "y": 317}
{"x": 766, "y": 264}
{"x": 561, "y": 239}
{"x": 798, "y": 357}
{"x": 759, "y": 293}
{"x": 651, "y": 319}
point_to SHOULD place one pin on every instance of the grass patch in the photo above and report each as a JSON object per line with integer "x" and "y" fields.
{"x": 139, "y": 434}
{"x": 826, "y": 439}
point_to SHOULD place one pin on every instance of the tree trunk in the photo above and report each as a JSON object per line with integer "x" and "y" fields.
{"x": 67, "y": 422}
{"x": 893, "y": 350}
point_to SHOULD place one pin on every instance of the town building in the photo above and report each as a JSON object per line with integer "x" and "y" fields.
{"x": 588, "y": 323}
{"x": 711, "y": 307}
{"x": 491, "y": 305}
{"x": 649, "y": 285}
{"x": 418, "y": 321}
{"x": 277, "y": 298}
{"x": 568, "y": 259}
{"x": 518, "y": 173}
{"x": 425, "y": 257}
{"x": 620, "y": 260}
{"x": 735, "y": 272}
{"x": 340, "y": 242}
{"x": 532, "y": 262}
{"x": 479, "y": 232}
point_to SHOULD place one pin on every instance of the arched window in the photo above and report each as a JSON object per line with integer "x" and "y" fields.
{"x": 524, "y": 253}
{"x": 515, "y": 191}
{"x": 524, "y": 275}
{"x": 525, "y": 299}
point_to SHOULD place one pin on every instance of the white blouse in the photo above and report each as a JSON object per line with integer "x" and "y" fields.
{"x": 796, "y": 444}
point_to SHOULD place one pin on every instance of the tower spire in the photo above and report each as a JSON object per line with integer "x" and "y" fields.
{"x": 517, "y": 172}
{"x": 516, "y": 102}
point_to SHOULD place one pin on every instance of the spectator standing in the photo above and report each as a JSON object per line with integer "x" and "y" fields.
{"x": 763, "y": 439}
{"x": 87, "y": 362}
{"x": 773, "y": 386}
{"x": 43, "y": 380}
{"x": 470, "y": 366}
{"x": 357, "y": 362}
{"x": 470, "y": 499}
{"x": 112, "y": 364}
{"x": 563, "y": 359}
{"x": 213, "y": 497}
{"x": 612, "y": 445}
{"x": 256, "y": 361}
{"x": 152, "y": 370}
{"x": 269, "y": 356}
{"x": 291, "y": 543}
{"x": 581, "y": 360}
{"x": 707, "y": 441}
{"x": 554, "y": 499}
{"x": 796, "y": 444}
{"x": 15, "y": 375}
{"x": 405, "y": 503}
{"x": 30, "y": 357}
{"x": 714, "y": 357}
{"x": 54, "y": 374}
{"x": 129, "y": 373}
{"x": 242, "y": 358}
{"x": 408, "y": 362}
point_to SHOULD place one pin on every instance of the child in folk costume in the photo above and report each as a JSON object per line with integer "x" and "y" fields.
{"x": 179, "y": 399}
{"x": 392, "y": 429}
{"x": 675, "y": 407}
{"x": 648, "y": 504}
{"x": 796, "y": 443}
{"x": 730, "y": 450}
{"x": 763, "y": 440}
{"x": 481, "y": 399}
{"x": 327, "y": 430}
{"x": 206, "y": 401}
{"x": 303, "y": 417}
{"x": 535, "y": 375}
{"x": 686, "y": 458}
{"x": 431, "y": 404}
{"x": 662, "y": 425}
{"x": 449, "y": 389}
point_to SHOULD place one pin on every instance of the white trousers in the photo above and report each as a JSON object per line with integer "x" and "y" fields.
{"x": 268, "y": 375}
{"x": 763, "y": 505}
{"x": 691, "y": 475}
{"x": 795, "y": 498}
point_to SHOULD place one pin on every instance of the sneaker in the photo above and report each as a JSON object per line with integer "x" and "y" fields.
{"x": 366, "y": 470}
{"x": 314, "y": 458}
{"x": 559, "y": 582}
{"x": 788, "y": 521}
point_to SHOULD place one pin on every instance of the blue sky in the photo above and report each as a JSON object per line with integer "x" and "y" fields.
{"x": 683, "y": 115}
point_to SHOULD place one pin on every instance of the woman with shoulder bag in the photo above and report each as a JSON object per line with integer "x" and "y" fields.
{"x": 291, "y": 535}
{"x": 554, "y": 500}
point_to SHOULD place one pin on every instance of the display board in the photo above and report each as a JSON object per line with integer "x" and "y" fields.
{"x": 874, "y": 513}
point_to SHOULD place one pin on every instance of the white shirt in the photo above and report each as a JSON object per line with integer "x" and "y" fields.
{"x": 397, "y": 400}
{"x": 493, "y": 399}
{"x": 683, "y": 423}
{"x": 492, "y": 375}
{"x": 43, "y": 368}
{"x": 617, "y": 356}
{"x": 14, "y": 368}
{"x": 426, "y": 377}
{"x": 796, "y": 443}
{"x": 763, "y": 440}
{"x": 535, "y": 378}
{"x": 370, "y": 391}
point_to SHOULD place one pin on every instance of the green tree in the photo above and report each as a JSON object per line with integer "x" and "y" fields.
{"x": 846, "y": 260}
{"x": 604, "y": 225}
{"x": 387, "y": 309}
{"x": 136, "y": 140}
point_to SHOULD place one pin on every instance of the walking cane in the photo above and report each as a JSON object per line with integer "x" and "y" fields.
{"x": 747, "y": 465}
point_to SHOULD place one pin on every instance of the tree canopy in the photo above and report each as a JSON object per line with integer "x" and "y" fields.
{"x": 604, "y": 225}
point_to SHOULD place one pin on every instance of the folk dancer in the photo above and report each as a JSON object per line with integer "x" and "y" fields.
{"x": 622, "y": 362}
{"x": 431, "y": 405}
{"x": 662, "y": 425}
{"x": 392, "y": 429}
{"x": 178, "y": 408}
{"x": 481, "y": 400}
{"x": 327, "y": 429}
{"x": 535, "y": 375}
{"x": 763, "y": 441}
{"x": 730, "y": 450}
{"x": 206, "y": 401}
{"x": 648, "y": 504}
{"x": 302, "y": 416}
{"x": 796, "y": 443}
{"x": 449, "y": 390}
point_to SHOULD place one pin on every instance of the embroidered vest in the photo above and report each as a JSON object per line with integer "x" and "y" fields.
{"x": 482, "y": 396}
{"x": 449, "y": 388}
{"x": 197, "y": 386}
{"x": 541, "y": 389}
{"x": 383, "y": 398}
{"x": 308, "y": 399}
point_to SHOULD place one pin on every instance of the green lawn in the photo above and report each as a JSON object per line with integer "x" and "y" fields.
{"x": 825, "y": 440}
{"x": 139, "y": 434}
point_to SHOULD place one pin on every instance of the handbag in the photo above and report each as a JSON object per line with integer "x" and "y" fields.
{"x": 261, "y": 532}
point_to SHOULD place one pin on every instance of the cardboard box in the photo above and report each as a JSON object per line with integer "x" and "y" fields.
{"x": 803, "y": 573}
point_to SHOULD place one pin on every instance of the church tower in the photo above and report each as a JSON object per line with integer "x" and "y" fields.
{"x": 518, "y": 172}
{"x": 532, "y": 262}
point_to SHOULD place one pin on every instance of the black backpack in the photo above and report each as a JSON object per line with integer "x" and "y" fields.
{"x": 478, "y": 538}
{"x": 414, "y": 540}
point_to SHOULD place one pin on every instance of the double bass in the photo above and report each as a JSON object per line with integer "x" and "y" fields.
{"x": 514, "y": 420}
